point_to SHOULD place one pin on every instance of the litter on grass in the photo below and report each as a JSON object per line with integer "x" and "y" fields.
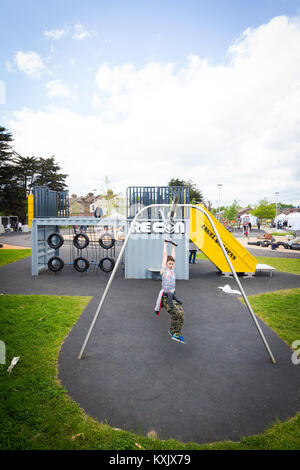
{"x": 12, "y": 364}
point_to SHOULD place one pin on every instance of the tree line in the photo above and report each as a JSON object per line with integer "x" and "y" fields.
{"x": 18, "y": 175}
{"x": 262, "y": 210}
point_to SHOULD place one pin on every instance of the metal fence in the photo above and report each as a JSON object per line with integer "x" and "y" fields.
{"x": 141, "y": 196}
{"x": 49, "y": 203}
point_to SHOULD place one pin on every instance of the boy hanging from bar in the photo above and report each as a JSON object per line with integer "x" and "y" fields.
{"x": 167, "y": 297}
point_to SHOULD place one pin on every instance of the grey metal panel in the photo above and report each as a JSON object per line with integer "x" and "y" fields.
{"x": 48, "y": 203}
{"x": 144, "y": 251}
{"x": 141, "y": 196}
{"x": 42, "y": 251}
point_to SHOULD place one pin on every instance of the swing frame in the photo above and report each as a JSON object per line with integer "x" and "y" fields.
{"x": 173, "y": 210}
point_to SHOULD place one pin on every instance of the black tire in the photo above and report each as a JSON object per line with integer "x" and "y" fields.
{"x": 55, "y": 264}
{"x": 80, "y": 268}
{"x": 107, "y": 241}
{"x": 79, "y": 245}
{"x": 285, "y": 245}
{"x": 295, "y": 246}
{"x": 51, "y": 240}
{"x": 105, "y": 269}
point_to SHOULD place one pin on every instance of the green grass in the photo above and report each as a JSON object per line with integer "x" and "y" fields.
{"x": 10, "y": 256}
{"x": 281, "y": 311}
{"x": 201, "y": 256}
{"x": 280, "y": 234}
{"x": 36, "y": 412}
{"x": 287, "y": 265}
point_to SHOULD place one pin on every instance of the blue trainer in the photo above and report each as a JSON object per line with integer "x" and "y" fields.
{"x": 178, "y": 338}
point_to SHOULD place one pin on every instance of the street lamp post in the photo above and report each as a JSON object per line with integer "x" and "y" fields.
{"x": 94, "y": 191}
{"x": 219, "y": 185}
{"x": 276, "y": 194}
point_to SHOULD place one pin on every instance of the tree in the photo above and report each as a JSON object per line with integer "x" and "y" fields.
{"x": 230, "y": 212}
{"x": 19, "y": 174}
{"x": 196, "y": 195}
{"x": 264, "y": 210}
{"x": 48, "y": 174}
{"x": 285, "y": 206}
{"x": 26, "y": 169}
{"x": 5, "y": 147}
{"x": 6, "y": 173}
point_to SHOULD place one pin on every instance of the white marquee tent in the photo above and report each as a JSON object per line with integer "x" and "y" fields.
{"x": 294, "y": 220}
{"x": 280, "y": 218}
{"x": 249, "y": 218}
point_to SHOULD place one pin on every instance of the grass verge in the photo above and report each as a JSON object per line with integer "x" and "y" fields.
{"x": 280, "y": 234}
{"x": 36, "y": 412}
{"x": 281, "y": 311}
{"x": 287, "y": 265}
{"x": 10, "y": 256}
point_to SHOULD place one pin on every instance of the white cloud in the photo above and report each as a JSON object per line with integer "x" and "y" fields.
{"x": 57, "y": 88}
{"x": 56, "y": 34}
{"x": 30, "y": 63}
{"x": 80, "y": 32}
{"x": 236, "y": 123}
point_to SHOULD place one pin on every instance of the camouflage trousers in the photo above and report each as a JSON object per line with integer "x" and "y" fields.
{"x": 177, "y": 315}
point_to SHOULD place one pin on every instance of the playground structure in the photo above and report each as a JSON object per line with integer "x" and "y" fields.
{"x": 180, "y": 221}
{"x": 86, "y": 245}
{"x": 143, "y": 250}
{"x": 51, "y": 221}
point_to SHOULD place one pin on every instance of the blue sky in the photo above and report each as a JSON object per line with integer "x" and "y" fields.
{"x": 121, "y": 31}
{"x": 66, "y": 60}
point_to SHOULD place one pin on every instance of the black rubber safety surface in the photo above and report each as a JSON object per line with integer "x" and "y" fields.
{"x": 220, "y": 385}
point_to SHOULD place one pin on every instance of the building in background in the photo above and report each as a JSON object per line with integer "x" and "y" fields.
{"x": 112, "y": 205}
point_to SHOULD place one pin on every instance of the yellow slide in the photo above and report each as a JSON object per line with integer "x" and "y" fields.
{"x": 202, "y": 234}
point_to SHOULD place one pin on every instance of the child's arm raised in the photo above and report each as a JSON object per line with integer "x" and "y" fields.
{"x": 173, "y": 252}
{"x": 164, "y": 257}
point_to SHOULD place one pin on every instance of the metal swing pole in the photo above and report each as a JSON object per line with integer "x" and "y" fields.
{"x": 223, "y": 250}
{"x": 239, "y": 285}
{"x": 173, "y": 210}
{"x": 112, "y": 277}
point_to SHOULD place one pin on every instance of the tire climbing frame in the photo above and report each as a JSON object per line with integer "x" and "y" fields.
{"x": 45, "y": 245}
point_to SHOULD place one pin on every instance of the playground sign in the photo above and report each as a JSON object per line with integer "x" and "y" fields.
{"x": 156, "y": 227}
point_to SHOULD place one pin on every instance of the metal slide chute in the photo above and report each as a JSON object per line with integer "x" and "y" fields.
{"x": 203, "y": 234}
